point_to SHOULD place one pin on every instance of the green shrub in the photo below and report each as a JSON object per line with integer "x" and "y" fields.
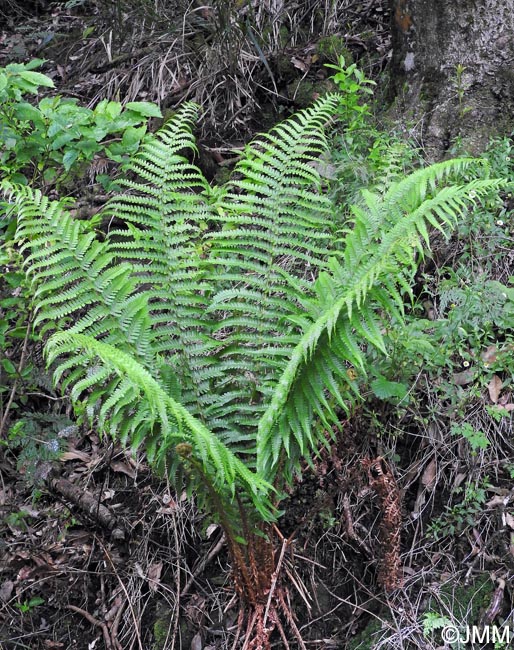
{"x": 53, "y": 141}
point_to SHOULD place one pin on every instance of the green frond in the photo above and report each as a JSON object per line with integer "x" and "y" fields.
{"x": 138, "y": 405}
{"x": 161, "y": 216}
{"x": 275, "y": 233}
{"x": 412, "y": 190}
{"x": 72, "y": 276}
{"x": 372, "y": 273}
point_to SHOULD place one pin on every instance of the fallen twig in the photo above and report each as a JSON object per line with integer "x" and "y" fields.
{"x": 203, "y": 563}
{"x": 94, "y": 621}
{"x": 89, "y": 503}
{"x": 18, "y": 374}
{"x": 274, "y": 579}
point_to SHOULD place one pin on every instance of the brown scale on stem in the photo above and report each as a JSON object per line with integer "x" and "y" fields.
{"x": 383, "y": 483}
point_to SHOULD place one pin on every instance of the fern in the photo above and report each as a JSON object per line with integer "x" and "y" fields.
{"x": 162, "y": 215}
{"x": 72, "y": 273}
{"x": 138, "y": 407}
{"x": 219, "y": 328}
{"x": 276, "y": 230}
{"x": 380, "y": 254}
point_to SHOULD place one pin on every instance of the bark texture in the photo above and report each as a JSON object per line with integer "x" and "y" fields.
{"x": 453, "y": 70}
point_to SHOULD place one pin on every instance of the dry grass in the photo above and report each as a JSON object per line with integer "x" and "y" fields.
{"x": 227, "y": 56}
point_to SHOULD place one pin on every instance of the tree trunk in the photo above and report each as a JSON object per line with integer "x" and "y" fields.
{"x": 453, "y": 70}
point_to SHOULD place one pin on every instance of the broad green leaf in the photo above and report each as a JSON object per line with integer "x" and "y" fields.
{"x": 37, "y": 78}
{"x": 384, "y": 389}
{"x": 113, "y": 109}
{"x": 35, "y": 63}
{"x": 25, "y": 112}
{"x": 147, "y": 109}
{"x": 132, "y": 136}
{"x": 8, "y": 366}
{"x": 69, "y": 158}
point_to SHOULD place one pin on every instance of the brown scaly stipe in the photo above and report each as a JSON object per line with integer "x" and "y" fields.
{"x": 382, "y": 481}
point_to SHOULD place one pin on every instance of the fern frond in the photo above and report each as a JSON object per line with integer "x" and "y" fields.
{"x": 372, "y": 274}
{"x": 139, "y": 406}
{"x": 72, "y": 275}
{"x": 162, "y": 215}
{"x": 275, "y": 233}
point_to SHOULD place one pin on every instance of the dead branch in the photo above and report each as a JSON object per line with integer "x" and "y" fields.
{"x": 89, "y": 504}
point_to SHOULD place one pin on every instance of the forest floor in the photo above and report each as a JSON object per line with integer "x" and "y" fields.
{"x": 95, "y": 552}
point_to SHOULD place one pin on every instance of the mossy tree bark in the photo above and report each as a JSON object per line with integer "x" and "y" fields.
{"x": 453, "y": 70}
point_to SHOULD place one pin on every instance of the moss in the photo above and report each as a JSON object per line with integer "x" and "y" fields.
{"x": 162, "y": 632}
{"x": 222, "y": 175}
{"x": 266, "y": 36}
{"x": 283, "y": 36}
{"x": 161, "y": 628}
{"x": 330, "y": 48}
{"x": 466, "y": 603}
{"x": 284, "y": 66}
{"x": 367, "y": 638}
